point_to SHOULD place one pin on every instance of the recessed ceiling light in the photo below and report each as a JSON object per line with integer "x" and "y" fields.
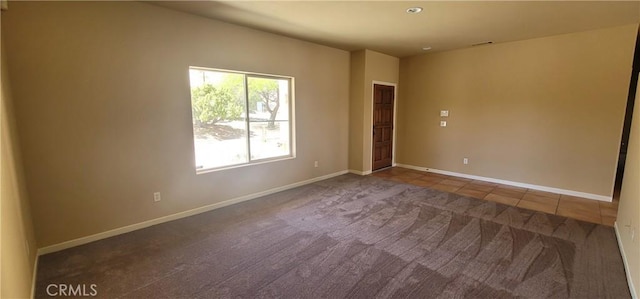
{"x": 414, "y": 9}
{"x": 426, "y": 48}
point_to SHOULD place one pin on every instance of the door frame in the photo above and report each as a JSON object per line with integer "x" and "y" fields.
{"x": 395, "y": 112}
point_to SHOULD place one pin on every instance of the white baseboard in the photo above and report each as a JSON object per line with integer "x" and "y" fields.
{"x": 632, "y": 288}
{"x": 511, "y": 183}
{"x": 141, "y": 225}
{"x": 358, "y": 172}
{"x": 34, "y": 277}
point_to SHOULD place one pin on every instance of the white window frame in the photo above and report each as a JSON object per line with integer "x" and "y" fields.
{"x": 292, "y": 127}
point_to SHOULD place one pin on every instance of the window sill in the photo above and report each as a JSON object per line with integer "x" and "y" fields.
{"x": 258, "y": 162}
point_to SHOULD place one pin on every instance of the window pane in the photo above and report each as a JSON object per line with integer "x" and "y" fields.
{"x": 219, "y": 118}
{"x": 268, "y": 99}
{"x": 269, "y": 139}
{"x": 268, "y": 117}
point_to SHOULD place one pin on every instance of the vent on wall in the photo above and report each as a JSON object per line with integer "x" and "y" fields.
{"x": 482, "y": 43}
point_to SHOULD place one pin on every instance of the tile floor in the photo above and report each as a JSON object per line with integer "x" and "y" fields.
{"x": 552, "y": 203}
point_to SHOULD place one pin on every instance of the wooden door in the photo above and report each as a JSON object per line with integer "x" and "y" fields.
{"x": 383, "y": 97}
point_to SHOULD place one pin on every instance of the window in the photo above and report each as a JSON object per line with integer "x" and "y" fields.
{"x": 240, "y": 118}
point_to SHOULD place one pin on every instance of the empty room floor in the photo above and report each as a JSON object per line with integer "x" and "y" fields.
{"x": 552, "y": 203}
{"x": 351, "y": 237}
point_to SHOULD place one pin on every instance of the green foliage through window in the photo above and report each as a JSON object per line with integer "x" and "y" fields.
{"x": 211, "y": 105}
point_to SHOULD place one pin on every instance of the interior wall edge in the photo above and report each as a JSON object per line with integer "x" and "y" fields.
{"x": 35, "y": 276}
{"x": 19, "y": 257}
{"x": 513, "y": 183}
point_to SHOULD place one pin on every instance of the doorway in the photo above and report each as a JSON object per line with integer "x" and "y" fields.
{"x": 626, "y": 130}
{"x": 383, "y": 113}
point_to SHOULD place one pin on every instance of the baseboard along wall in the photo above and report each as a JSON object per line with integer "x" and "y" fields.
{"x": 632, "y": 288}
{"x": 358, "y": 172}
{"x": 512, "y": 183}
{"x": 144, "y": 224}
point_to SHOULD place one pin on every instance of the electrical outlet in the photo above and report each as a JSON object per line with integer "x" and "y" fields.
{"x": 465, "y": 161}
{"x": 315, "y": 163}
{"x": 156, "y": 197}
{"x": 443, "y": 123}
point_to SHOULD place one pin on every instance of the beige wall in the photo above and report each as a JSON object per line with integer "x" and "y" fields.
{"x": 18, "y": 246}
{"x": 104, "y": 113}
{"x": 367, "y": 66}
{"x": 356, "y": 107}
{"x": 545, "y": 111}
{"x": 628, "y": 220}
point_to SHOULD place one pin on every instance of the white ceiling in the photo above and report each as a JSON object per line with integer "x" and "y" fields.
{"x": 384, "y": 26}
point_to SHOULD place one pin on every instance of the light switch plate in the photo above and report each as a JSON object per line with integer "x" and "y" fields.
{"x": 444, "y": 113}
{"x": 443, "y": 123}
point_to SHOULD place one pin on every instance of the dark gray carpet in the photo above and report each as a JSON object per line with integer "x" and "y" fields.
{"x": 351, "y": 237}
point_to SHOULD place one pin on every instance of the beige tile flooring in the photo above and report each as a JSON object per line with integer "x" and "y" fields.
{"x": 552, "y": 203}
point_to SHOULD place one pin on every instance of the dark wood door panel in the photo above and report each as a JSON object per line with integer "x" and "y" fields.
{"x": 383, "y": 100}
